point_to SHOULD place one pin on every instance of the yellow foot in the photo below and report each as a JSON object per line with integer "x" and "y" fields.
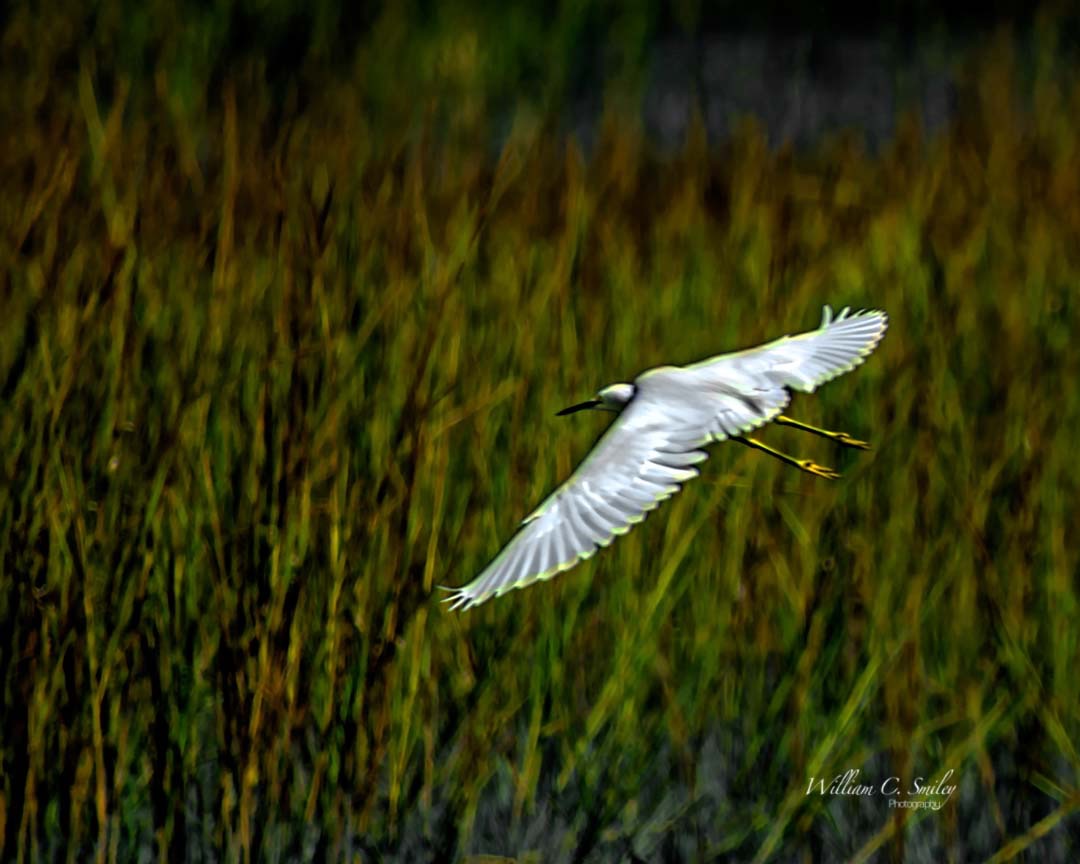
{"x": 817, "y": 470}
{"x": 848, "y": 441}
{"x": 838, "y": 437}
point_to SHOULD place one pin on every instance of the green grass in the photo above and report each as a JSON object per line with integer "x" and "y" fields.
{"x": 271, "y": 369}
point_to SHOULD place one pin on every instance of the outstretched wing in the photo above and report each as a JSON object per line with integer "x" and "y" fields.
{"x": 803, "y": 362}
{"x": 639, "y": 462}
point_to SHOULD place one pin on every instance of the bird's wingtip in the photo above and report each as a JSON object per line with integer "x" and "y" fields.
{"x": 828, "y": 317}
{"x": 457, "y": 598}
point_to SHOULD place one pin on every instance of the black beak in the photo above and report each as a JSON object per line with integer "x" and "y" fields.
{"x": 581, "y": 406}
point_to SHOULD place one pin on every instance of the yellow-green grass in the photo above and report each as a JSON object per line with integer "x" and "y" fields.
{"x": 269, "y": 372}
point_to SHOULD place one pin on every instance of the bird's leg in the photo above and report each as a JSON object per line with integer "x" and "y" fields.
{"x": 802, "y": 464}
{"x": 838, "y": 437}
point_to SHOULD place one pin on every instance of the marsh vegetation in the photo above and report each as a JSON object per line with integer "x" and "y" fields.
{"x": 281, "y": 345}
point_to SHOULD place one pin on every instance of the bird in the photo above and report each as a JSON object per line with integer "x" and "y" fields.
{"x": 665, "y": 418}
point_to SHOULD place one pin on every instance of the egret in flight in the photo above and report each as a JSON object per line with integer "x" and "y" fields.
{"x": 665, "y": 417}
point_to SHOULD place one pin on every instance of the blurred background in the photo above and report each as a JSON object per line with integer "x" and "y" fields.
{"x": 289, "y": 295}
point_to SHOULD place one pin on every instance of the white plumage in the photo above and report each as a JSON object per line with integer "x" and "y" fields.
{"x": 665, "y": 417}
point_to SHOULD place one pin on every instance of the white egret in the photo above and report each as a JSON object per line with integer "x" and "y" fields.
{"x": 665, "y": 416}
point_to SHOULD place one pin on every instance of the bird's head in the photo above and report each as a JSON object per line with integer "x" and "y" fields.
{"x": 611, "y": 398}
